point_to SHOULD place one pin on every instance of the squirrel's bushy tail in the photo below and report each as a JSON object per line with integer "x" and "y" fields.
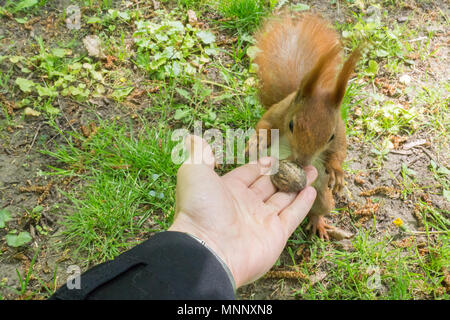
{"x": 288, "y": 49}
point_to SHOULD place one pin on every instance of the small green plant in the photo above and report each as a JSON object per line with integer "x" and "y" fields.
{"x": 4, "y": 217}
{"x": 24, "y": 281}
{"x": 56, "y": 72}
{"x": 18, "y": 240}
{"x": 385, "y": 117}
{"x": 100, "y": 4}
{"x": 442, "y": 175}
{"x": 113, "y": 17}
{"x": 381, "y": 151}
{"x": 22, "y": 6}
{"x": 191, "y": 3}
{"x": 381, "y": 44}
{"x": 5, "y": 79}
{"x": 170, "y": 48}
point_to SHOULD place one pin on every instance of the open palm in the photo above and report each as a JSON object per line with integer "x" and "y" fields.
{"x": 239, "y": 215}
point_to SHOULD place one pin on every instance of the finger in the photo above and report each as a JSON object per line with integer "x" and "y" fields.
{"x": 249, "y": 173}
{"x": 263, "y": 188}
{"x": 281, "y": 200}
{"x": 294, "y": 214}
{"x": 199, "y": 151}
{"x": 311, "y": 174}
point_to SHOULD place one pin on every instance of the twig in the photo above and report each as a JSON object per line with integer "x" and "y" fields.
{"x": 34, "y": 139}
{"x": 220, "y": 85}
{"x": 282, "y": 274}
{"x": 418, "y": 39}
{"x": 402, "y": 152}
{"x": 428, "y": 153}
{"x": 425, "y": 232}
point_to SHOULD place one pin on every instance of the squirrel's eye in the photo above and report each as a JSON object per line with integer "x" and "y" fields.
{"x": 291, "y": 126}
{"x": 331, "y": 138}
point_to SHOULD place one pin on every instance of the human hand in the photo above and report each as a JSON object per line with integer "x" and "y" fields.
{"x": 240, "y": 216}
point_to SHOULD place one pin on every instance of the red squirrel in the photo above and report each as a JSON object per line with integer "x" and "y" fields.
{"x": 302, "y": 84}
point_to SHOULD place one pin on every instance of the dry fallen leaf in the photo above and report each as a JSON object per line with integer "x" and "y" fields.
{"x": 28, "y": 112}
{"x": 446, "y": 280}
{"x": 345, "y": 245}
{"x": 413, "y": 144}
{"x": 319, "y": 276}
{"x": 192, "y": 17}
{"x": 339, "y": 234}
{"x": 387, "y": 191}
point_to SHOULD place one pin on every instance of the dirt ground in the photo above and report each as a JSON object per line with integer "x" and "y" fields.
{"x": 21, "y": 163}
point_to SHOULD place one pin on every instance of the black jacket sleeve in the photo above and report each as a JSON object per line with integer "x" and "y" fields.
{"x": 169, "y": 265}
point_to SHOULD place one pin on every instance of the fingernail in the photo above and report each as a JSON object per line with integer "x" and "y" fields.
{"x": 265, "y": 162}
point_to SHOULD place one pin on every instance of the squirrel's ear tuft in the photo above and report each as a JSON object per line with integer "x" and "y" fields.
{"x": 309, "y": 82}
{"x": 344, "y": 75}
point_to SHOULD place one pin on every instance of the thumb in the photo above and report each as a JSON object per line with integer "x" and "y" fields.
{"x": 199, "y": 151}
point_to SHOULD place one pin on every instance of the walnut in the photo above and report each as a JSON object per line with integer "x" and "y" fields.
{"x": 290, "y": 177}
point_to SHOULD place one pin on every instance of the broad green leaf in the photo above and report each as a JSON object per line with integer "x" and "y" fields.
{"x": 300, "y": 7}
{"x": 212, "y": 116}
{"x": 75, "y": 66}
{"x": 46, "y": 91}
{"x": 373, "y": 67}
{"x": 185, "y": 94}
{"x": 24, "y": 84}
{"x": 381, "y": 53}
{"x": 4, "y": 217}
{"x": 21, "y": 20}
{"x": 252, "y": 51}
{"x": 124, "y": 15}
{"x": 24, "y": 4}
{"x": 181, "y": 114}
{"x": 446, "y": 194}
{"x": 408, "y": 171}
{"x": 59, "y": 52}
{"x": 92, "y": 20}
{"x": 18, "y": 240}
{"x": 206, "y": 36}
{"x": 50, "y": 109}
{"x": 211, "y": 51}
{"x": 120, "y": 94}
{"x": 15, "y": 59}
{"x": 443, "y": 170}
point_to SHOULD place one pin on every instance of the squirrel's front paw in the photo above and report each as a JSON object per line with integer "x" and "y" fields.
{"x": 336, "y": 179}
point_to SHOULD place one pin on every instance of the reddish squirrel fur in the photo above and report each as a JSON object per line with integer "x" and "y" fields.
{"x": 302, "y": 86}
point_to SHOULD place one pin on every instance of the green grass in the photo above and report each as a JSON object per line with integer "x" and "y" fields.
{"x": 24, "y": 290}
{"x": 374, "y": 269}
{"x": 243, "y": 16}
{"x": 126, "y": 190}
{"x": 21, "y": 6}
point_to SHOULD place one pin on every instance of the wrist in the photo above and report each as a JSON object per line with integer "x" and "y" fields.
{"x": 211, "y": 245}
